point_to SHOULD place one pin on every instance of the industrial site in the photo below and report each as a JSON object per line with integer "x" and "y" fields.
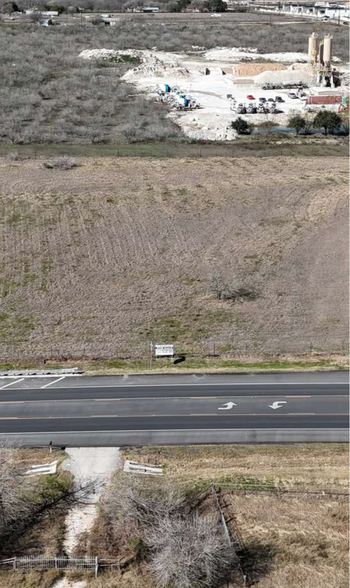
{"x": 207, "y": 90}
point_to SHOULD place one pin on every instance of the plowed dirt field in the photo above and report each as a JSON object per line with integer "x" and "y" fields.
{"x": 98, "y": 260}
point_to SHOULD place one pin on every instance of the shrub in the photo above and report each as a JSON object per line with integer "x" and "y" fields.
{"x": 241, "y": 126}
{"x": 184, "y": 550}
{"x": 63, "y": 162}
{"x": 215, "y": 5}
{"x": 191, "y": 552}
{"x": 328, "y": 120}
{"x": 9, "y": 7}
{"x": 13, "y": 156}
{"x": 297, "y": 122}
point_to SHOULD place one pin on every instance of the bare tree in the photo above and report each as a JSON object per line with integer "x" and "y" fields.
{"x": 218, "y": 286}
{"x": 190, "y": 552}
{"x": 24, "y": 499}
{"x": 13, "y": 503}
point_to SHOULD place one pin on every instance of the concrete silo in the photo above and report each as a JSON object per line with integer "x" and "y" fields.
{"x": 327, "y": 50}
{"x": 313, "y": 42}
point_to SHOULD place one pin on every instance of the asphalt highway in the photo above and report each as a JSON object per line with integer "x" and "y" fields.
{"x": 226, "y": 408}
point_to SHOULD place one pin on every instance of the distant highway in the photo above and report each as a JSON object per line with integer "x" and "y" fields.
{"x": 175, "y": 409}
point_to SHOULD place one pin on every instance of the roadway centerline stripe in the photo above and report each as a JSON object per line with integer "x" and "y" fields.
{"x": 197, "y": 397}
{"x": 303, "y": 413}
{"x": 148, "y": 415}
{"x": 205, "y": 414}
{"x": 11, "y": 383}
{"x": 157, "y": 398}
{"x": 54, "y": 382}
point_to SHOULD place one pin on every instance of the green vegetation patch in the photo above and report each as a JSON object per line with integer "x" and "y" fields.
{"x": 14, "y": 327}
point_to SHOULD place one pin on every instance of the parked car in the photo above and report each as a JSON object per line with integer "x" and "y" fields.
{"x": 262, "y": 100}
{"x": 271, "y": 100}
{"x": 251, "y": 109}
{"x": 292, "y": 95}
{"x": 279, "y": 99}
{"x": 250, "y": 97}
{"x": 241, "y": 109}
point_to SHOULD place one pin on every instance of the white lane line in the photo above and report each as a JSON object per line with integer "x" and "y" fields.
{"x": 54, "y": 382}
{"x": 11, "y": 383}
{"x": 42, "y": 376}
{"x": 194, "y": 385}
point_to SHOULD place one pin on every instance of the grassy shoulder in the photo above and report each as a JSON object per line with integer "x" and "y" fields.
{"x": 32, "y": 579}
{"x": 251, "y": 146}
{"x": 249, "y": 467}
{"x": 312, "y": 362}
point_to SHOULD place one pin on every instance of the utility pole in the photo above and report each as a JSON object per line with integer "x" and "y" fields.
{"x": 151, "y": 356}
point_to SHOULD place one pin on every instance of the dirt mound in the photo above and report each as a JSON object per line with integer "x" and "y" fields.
{"x": 253, "y": 69}
{"x": 288, "y": 75}
{"x": 110, "y": 54}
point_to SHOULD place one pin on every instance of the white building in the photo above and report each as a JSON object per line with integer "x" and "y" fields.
{"x": 317, "y": 11}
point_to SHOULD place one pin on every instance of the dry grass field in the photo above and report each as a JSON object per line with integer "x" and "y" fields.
{"x": 98, "y": 260}
{"x": 298, "y": 466}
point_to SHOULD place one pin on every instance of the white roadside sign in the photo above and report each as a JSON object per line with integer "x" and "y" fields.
{"x": 164, "y": 350}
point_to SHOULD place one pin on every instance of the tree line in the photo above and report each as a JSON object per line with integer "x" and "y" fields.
{"x": 75, "y": 6}
{"x": 328, "y": 120}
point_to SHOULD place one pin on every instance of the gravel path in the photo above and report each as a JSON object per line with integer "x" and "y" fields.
{"x": 86, "y": 465}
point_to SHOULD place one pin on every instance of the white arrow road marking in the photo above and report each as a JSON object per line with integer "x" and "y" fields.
{"x": 277, "y": 404}
{"x": 227, "y": 406}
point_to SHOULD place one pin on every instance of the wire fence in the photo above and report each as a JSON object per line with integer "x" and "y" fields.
{"x": 251, "y": 487}
{"x": 49, "y": 350}
{"x": 34, "y": 562}
{"x": 232, "y": 533}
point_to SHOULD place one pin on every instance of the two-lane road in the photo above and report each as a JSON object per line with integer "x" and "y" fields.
{"x": 175, "y": 409}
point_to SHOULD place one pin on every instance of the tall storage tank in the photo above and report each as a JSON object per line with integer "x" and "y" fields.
{"x": 327, "y": 49}
{"x": 313, "y": 47}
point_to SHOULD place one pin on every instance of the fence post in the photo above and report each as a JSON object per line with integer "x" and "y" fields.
{"x": 15, "y": 563}
{"x": 96, "y": 566}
